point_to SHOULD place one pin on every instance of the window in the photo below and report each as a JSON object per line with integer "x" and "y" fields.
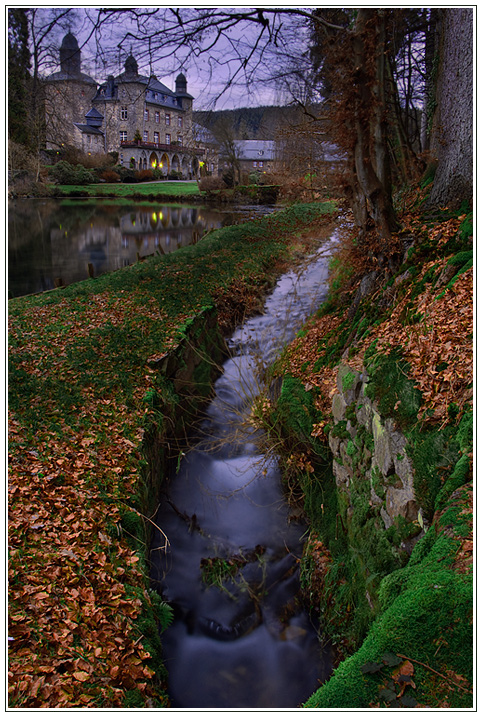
{"x": 157, "y": 117}
{"x": 156, "y": 137}
{"x": 168, "y": 119}
{"x": 260, "y": 164}
{"x": 146, "y": 136}
{"x": 179, "y": 138}
{"x": 168, "y": 139}
{"x": 123, "y": 136}
{"x": 179, "y": 121}
{"x": 123, "y": 113}
{"x": 146, "y": 115}
{"x": 255, "y": 164}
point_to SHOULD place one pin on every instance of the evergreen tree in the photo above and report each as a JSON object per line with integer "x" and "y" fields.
{"x": 18, "y": 75}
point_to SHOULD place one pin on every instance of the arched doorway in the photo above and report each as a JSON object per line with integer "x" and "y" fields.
{"x": 132, "y": 163}
{"x": 153, "y": 161}
{"x": 175, "y": 165}
{"x": 164, "y": 164}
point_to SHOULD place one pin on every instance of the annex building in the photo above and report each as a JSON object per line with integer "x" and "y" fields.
{"x": 149, "y": 125}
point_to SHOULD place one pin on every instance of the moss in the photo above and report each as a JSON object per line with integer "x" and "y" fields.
{"x": 465, "y": 433}
{"x": 461, "y": 258}
{"x": 390, "y": 386}
{"x": 351, "y": 448}
{"x": 348, "y": 381}
{"x": 425, "y": 615}
{"x": 432, "y": 451}
{"x": 295, "y": 407}
{"x": 339, "y": 430}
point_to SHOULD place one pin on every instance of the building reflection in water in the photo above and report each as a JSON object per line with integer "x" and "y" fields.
{"x": 71, "y": 243}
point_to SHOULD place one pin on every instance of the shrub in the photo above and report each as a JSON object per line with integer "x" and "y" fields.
{"x": 211, "y": 184}
{"x": 145, "y": 175}
{"x": 109, "y": 176}
{"x": 65, "y": 173}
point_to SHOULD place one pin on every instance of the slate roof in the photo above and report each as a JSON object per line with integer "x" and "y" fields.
{"x": 79, "y": 76}
{"x": 87, "y": 128}
{"x": 255, "y": 149}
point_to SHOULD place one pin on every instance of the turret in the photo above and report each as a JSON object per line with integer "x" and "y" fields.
{"x": 131, "y": 66}
{"x": 70, "y": 55}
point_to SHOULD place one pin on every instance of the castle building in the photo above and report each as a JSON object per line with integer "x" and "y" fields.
{"x": 132, "y": 114}
{"x": 68, "y": 98}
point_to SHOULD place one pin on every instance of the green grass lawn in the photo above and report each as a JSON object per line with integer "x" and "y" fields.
{"x": 173, "y": 188}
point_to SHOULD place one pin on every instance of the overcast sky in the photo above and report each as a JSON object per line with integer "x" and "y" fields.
{"x": 207, "y": 73}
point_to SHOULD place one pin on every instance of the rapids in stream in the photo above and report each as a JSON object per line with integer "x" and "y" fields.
{"x": 246, "y": 641}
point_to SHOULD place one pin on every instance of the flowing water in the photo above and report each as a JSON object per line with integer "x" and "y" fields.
{"x": 247, "y": 642}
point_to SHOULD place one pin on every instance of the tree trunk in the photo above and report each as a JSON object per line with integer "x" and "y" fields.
{"x": 371, "y": 148}
{"x": 452, "y": 129}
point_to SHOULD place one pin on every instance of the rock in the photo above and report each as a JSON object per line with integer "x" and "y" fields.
{"x": 342, "y": 474}
{"x": 382, "y": 455}
{"x": 401, "y": 502}
{"x": 334, "y": 443}
{"x": 363, "y": 413}
{"x": 338, "y": 408}
{"x": 351, "y": 429}
{"x": 348, "y": 382}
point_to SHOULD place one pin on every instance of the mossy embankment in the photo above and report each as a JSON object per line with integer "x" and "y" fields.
{"x": 375, "y": 415}
{"x": 104, "y": 377}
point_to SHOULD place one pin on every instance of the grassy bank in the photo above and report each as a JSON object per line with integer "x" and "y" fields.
{"x": 148, "y": 190}
{"x": 400, "y": 619}
{"x": 85, "y": 395}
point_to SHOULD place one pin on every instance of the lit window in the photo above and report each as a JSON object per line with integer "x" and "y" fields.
{"x": 179, "y": 121}
{"x": 146, "y": 136}
{"x": 146, "y": 115}
{"x": 123, "y": 113}
{"x": 168, "y": 139}
{"x": 123, "y": 136}
{"x": 156, "y": 137}
{"x": 157, "y": 117}
{"x": 168, "y": 120}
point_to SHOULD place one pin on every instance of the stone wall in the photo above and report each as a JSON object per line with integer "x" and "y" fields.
{"x": 370, "y": 457}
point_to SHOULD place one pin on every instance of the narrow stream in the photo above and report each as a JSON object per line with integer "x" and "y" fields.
{"x": 247, "y": 643}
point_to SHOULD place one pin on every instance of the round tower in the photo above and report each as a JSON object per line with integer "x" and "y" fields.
{"x": 70, "y": 55}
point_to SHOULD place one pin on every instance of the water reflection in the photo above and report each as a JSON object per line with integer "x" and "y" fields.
{"x": 51, "y": 245}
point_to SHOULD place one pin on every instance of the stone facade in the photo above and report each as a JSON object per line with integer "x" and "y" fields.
{"x": 68, "y": 98}
{"x": 132, "y": 114}
{"x": 369, "y": 453}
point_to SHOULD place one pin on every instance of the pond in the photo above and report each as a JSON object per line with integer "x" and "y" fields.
{"x": 53, "y": 243}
